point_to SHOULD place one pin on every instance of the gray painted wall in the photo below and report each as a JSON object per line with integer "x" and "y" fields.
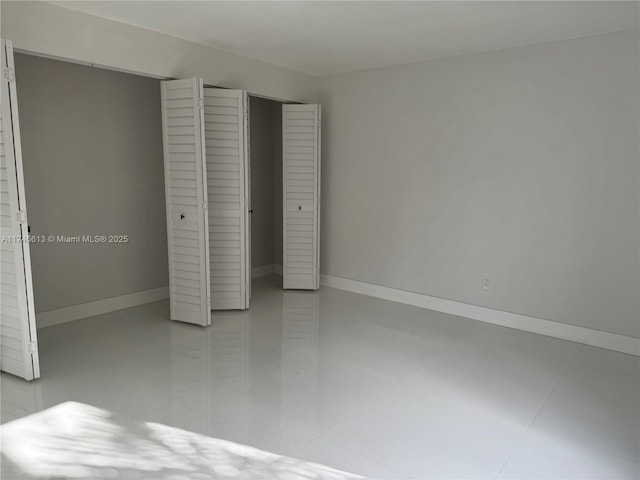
{"x": 266, "y": 181}
{"x": 520, "y": 164}
{"x": 92, "y": 153}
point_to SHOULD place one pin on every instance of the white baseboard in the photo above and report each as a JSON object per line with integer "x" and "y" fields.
{"x": 574, "y": 333}
{"x": 262, "y": 271}
{"x": 90, "y": 309}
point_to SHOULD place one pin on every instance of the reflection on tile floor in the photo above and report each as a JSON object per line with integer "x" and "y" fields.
{"x": 354, "y": 383}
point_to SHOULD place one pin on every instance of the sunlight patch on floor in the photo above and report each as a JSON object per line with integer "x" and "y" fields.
{"x": 78, "y": 441}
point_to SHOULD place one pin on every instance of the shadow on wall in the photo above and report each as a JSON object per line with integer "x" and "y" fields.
{"x": 78, "y": 441}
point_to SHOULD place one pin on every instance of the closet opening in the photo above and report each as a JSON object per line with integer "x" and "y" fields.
{"x": 265, "y": 158}
{"x": 94, "y": 183}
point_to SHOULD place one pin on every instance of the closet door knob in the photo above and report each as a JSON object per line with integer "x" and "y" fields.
{"x": 182, "y": 216}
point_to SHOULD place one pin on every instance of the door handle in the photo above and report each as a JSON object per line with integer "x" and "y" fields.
{"x": 251, "y": 211}
{"x": 182, "y": 216}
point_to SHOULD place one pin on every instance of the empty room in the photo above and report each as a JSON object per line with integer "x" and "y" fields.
{"x": 320, "y": 240}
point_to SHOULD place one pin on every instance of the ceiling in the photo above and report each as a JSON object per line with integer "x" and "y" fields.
{"x": 334, "y": 37}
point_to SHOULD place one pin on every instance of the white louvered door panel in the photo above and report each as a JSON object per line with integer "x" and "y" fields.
{"x": 225, "y": 120}
{"x": 301, "y": 196}
{"x": 19, "y": 353}
{"x": 186, "y": 198}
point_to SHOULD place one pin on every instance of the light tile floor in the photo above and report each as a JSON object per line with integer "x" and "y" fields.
{"x": 358, "y": 384}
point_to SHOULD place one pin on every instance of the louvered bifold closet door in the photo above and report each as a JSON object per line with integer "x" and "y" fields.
{"x": 186, "y": 198}
{"x": 301, "y": 196}
{"x": 225, "y": 121}
{"x": 19, "y": 353}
